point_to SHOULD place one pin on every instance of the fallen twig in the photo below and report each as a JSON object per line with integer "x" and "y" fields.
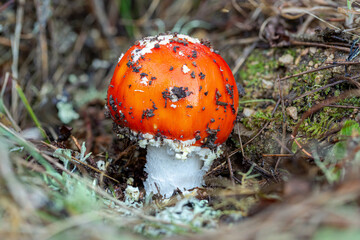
{"x": 306, "y": 72}
{"x": 314, "y": 44}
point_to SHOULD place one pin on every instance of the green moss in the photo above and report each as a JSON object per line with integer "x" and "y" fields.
{"x": 291, "y": 51}
{"x": 263, "y": 65}
{"x": 256, "y": 67}
{"x": 318, "y": 125}
{"x": 251, "y": 149}
{"x": 354, "y": 101}
{"x": 257, "y": 120}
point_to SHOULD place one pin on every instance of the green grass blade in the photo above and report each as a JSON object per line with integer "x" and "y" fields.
{"x": 125, "y": 13}
{"x": 30, "y": 148}
{"x": 30, "y": 111}
{"x": 257, "y": 101}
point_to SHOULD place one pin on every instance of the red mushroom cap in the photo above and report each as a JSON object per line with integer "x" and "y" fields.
{"x": 175, "y": 87}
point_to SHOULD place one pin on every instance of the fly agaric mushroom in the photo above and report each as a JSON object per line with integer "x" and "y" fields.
{"x": 176, "y": 96}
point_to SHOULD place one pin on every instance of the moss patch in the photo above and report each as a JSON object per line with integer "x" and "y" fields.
{"x": 301, "y": 92}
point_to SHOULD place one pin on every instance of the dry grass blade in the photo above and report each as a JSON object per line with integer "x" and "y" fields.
{"x": 104, "y": 22}
{"x": 97, "y": 216}
{"x": 42, "y": 8}
{"x": 2, "y": 105}
{"x": 240, "y": 61}
{"x": 16, "y": 40}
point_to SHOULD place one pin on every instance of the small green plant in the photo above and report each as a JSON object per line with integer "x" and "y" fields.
{"x": 248, "y": 175}
{"x": 29, "y": 109}
{"x": 349, "y": 129}
{"x": 329, "y": 165}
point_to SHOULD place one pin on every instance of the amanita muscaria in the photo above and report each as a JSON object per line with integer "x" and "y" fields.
{"x": 178, "y": 98}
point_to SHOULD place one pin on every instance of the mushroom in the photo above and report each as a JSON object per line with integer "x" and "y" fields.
{"x": 177, "y": 97}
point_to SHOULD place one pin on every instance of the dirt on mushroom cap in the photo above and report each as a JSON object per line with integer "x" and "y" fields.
{"x": 193, "y": 100}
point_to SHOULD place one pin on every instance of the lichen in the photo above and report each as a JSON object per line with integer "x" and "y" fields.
{"x": 66, "y": 112}
{"x": 187, "y": 212}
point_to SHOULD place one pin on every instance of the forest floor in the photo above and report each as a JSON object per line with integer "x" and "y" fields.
{"x": 290, "y": 168}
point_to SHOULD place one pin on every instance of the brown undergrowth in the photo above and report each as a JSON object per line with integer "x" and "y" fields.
{"x": 290, "y": 167}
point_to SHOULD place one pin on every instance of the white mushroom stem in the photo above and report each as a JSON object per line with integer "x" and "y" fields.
{"x": 170, "y": 168}
{"x": 172, "y": 165}
{"x": 166, "y": 173}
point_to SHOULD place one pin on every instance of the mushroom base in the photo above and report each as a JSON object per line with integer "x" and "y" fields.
{"x": 166, "y": 173}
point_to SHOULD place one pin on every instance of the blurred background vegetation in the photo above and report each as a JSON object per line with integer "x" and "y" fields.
{"x": 64, "y": 174}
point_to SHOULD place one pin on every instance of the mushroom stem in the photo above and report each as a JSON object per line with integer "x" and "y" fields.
{"x": 166, "y": 173}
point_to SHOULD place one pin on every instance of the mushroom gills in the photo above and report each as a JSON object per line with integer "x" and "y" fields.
{"x": 166, "y": 172}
